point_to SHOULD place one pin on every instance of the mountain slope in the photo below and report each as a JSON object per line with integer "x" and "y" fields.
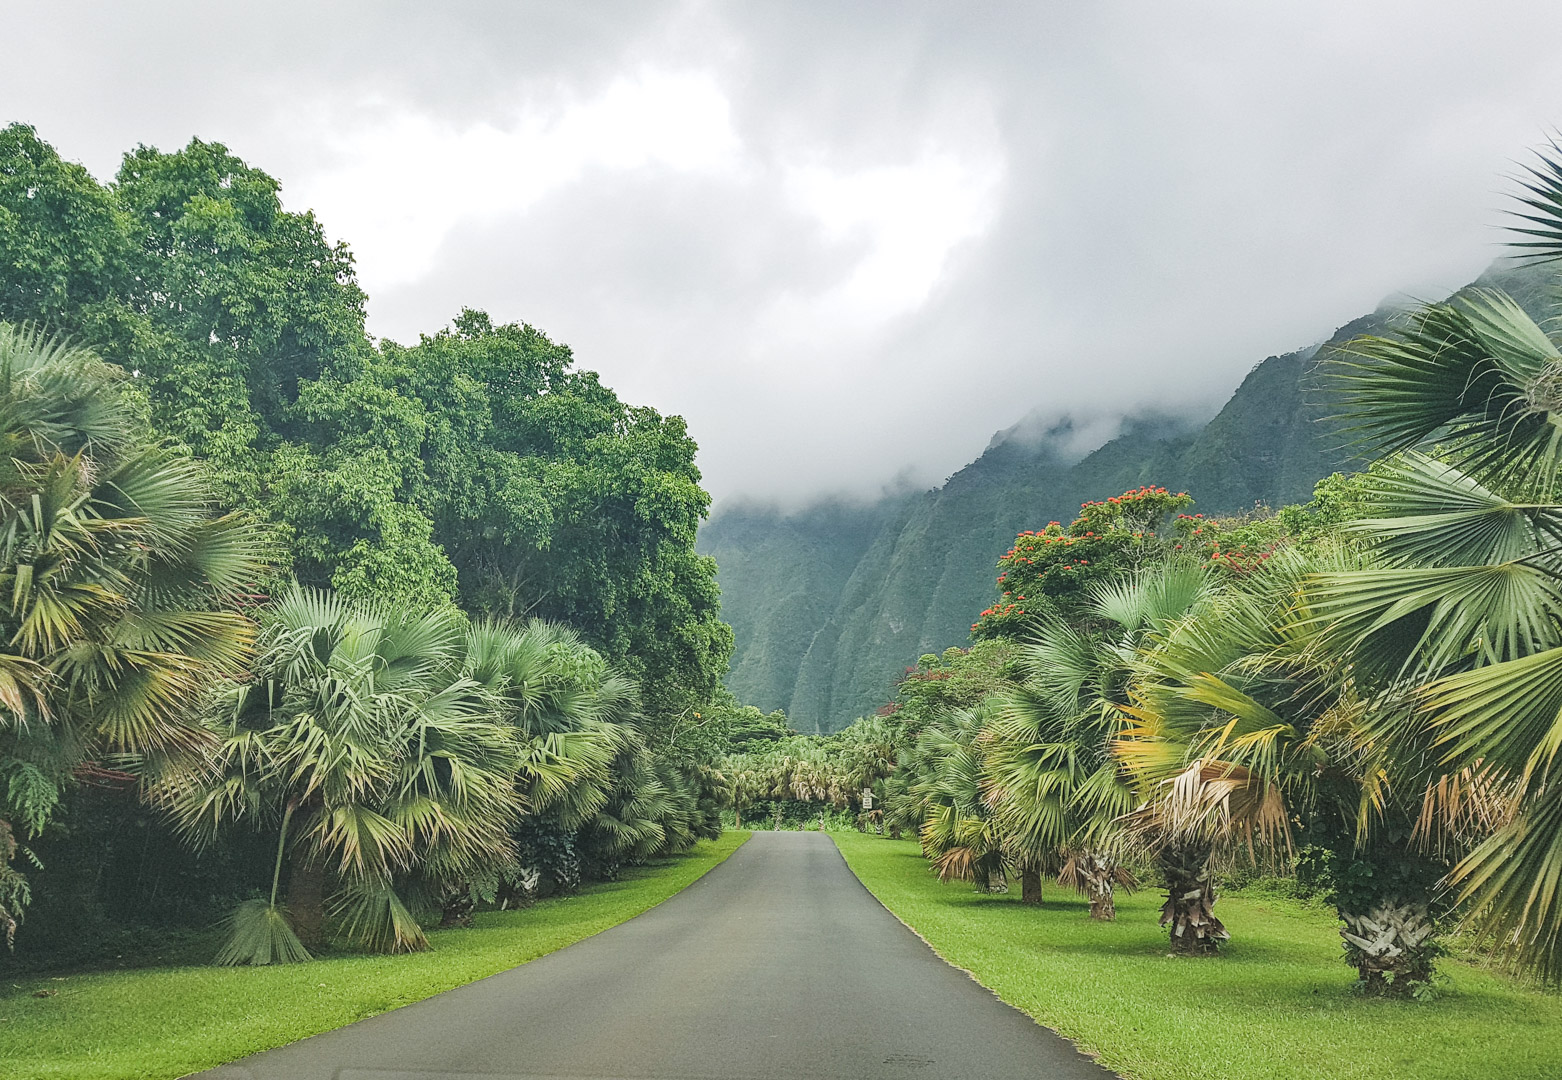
{"x": 831, "y": 603}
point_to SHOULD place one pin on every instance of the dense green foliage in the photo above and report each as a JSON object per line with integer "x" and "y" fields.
{"x": 120, "y": 584}
{"x": 476, "y": 465}
{"x": 469, "y": 567}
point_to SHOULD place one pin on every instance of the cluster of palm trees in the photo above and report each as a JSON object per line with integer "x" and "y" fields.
{"x": 409, "y": 762}
{"x": 1028, "y": 780}
{"x": 831, "y": 772}
{"x": 1386, "y": 700}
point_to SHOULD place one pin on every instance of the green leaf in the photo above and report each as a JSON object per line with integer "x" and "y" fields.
{"x": 1436, "y": 515}
{"x": 1424, "y": 619}
{"x": 1508, "y": 715}
{"x": 259, "y": 934}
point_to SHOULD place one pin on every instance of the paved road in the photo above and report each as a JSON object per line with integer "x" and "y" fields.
{"x": 777, "y": 965}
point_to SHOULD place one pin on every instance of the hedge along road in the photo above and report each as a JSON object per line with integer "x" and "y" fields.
{"x": 777, "y": 965}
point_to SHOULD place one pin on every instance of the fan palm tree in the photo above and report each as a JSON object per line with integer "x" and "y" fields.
{"x": 567, "y": 708}
{"x": 1246, "y": 722}
{"x": 959, "y": 832}
{"x": 1051, "y": 776}
{"x": 632, "y": 825}
{"x": 122, "y": 587}
{"x": 1464, "y": 597}
{"x": 358, "y": 739}
{"x": 1209, "y": 756}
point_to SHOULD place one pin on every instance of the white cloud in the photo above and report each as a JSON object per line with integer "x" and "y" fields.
{"x": 401, "y": 181}
{"x": 847, "y": 240}
{"x": 907, "y": 218}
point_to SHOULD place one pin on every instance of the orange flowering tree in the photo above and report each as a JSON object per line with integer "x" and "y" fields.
{"x": 1050, "y": 569}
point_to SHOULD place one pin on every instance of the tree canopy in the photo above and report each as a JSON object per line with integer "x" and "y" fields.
{"x": 478, "y": 466}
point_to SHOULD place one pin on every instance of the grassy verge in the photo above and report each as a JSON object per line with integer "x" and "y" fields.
{"x": 173, "y": 1021}
{"x": 1276, "y": 1006}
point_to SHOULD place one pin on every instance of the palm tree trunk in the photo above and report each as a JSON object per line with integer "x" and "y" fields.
{"x": 1030, "y": 886}
{"x": 456, "y": 906}
{"x": 1189, "y": 910}
{"x": 1390, "y": 946}
{"x": 306, "y": 900}
{"x": 1100, "y": 873}
{"x": 276, "y": 869}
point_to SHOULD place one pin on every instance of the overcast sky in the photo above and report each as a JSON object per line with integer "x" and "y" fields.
{"x": 847, "y": 240}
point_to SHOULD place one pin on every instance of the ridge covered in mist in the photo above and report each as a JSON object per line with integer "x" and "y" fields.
{"x": 830, "y": 603}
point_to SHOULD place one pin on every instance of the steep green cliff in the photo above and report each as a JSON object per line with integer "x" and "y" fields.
{"x": 831, "y": 603}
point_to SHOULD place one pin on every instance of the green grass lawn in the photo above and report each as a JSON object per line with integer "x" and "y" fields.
{"x": 1277, "y": 1004}
{"x": 172, "y": 1021}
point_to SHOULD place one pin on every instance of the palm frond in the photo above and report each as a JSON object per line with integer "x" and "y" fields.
{"x": 1405, "y": 619}
{"x": 1477, "y": 372}
{"x": 1512, "y": 885}
{"x": 373, "y": 915}
{"x": 1508, "y": 715}
{"x": 1435, "y": 515}
{"x": 1542, "y": 206}
{"x": 259, "y": 934}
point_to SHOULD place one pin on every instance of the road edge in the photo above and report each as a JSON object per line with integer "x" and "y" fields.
{"x": 1084, "y": 1050}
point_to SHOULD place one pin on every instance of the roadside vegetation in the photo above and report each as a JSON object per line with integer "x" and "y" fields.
{"x": 349, "y": 647}
{"x": 330, "y": 644}
{"x": 172, "y": 1021}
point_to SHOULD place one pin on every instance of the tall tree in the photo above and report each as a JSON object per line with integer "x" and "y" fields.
{"x": 553, "y": 498}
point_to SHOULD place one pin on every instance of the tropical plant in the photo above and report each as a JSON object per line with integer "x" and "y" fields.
{"x": 359, "y": 741}
{"x": 121, "y": 586}
{"x": 1051, "y": 775}
{"x": 1050, "y": 571}
{"x": 565, "y": 705}
{"x": 959, "y": 832}
{"x": 1464, "y": 595}
{"x": 1196, "y": 731}
{"x": 1246, "y": 730}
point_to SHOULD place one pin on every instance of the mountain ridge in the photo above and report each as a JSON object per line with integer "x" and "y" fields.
{"x": 831, "y": 602}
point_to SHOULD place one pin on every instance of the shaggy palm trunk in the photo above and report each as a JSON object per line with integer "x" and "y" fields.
{"x": 1189, "y": 910}
{"x": 1030, "y": 886}
{"x": 1390, "y": 946}
{"x": 306, "y": 901}
{"x": 1099, "y": 871}
{"x": 989, "y": 881}
{"x": 456, "y": 906}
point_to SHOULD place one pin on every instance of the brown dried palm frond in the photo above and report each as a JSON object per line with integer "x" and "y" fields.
{"x": 1461, "y": 809}
{"x": 1079, "y": 867}
{"x": 1212, "y": 802}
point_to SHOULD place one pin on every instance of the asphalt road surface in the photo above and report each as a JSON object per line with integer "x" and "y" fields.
{"x": 777, "y": 965}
